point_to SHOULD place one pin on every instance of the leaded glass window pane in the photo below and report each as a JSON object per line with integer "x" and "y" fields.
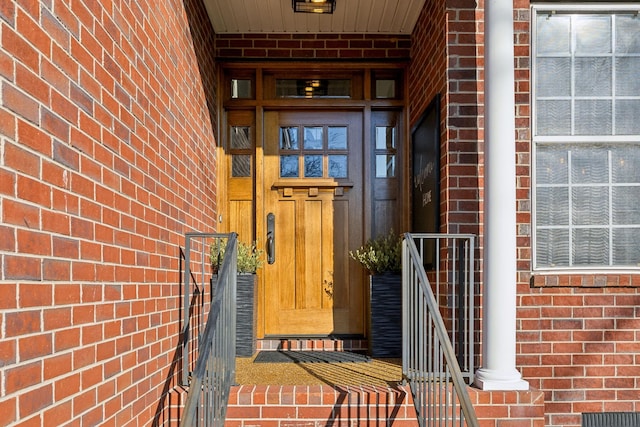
{"x": 240, "y": 137}
{"x": 289, "y": 167}
{"x": 289, "y": 138}
{"x": 593, "y": 34}
{"x": 385, "y": 138}
{"x": 240, "y": 165}
{"x": 337, "y": 166}
{"x": 313, "y": 137}
{"x": 385, "y": 165}
{"x": 312, "y": 166}
{"x": 337, "y": 137}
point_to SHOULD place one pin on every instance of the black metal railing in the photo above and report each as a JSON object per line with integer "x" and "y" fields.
{"x": 429, "y": 362}
{"x": 209, "y": 354}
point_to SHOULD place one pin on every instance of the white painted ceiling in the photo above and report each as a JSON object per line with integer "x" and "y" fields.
{"x": 350, "y": 16}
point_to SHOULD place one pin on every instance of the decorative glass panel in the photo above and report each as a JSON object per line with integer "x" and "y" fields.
{"x": 593, "y": 76}
{"x": 590, "y": 246}
{"x": 553, "y": 77}
{"x": 240, "y": 165}
{"x": 312, "y": 166}
{"x": 590, "y": 205}
{"x": 385, "y": 88}
{"x": 289, "y": 167}
{"x": 313, "y": 138}
{"x": 552, "y": 207}
{"x": 552, "y": 248}
{"x": 337, "y": 166}
{"x": 625, "y": 161}
{"x": 240, "y": 137}
{"x": 627, "y": 117}
{"x": 337, "y": 137}
{"x": 627, "y": 81}
{"x": 589, "y": 165}
{"x": 385, "y": 165}
{"x": 552, "y": 165}
{"x": 241, "y": 89}
{"x": 625, "y": 205}
{"x": 385, "y": 138}
{"x": 627, "y": 34}
{"x": 626, "y": 250}
{"x": 553, "y": 35}
{"x": 553, "y": 118}
{"x": 593, "y": 34}
{"x": 289, "y": 138}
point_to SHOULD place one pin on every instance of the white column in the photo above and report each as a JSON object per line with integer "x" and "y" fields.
{"x": 499, "y": 298}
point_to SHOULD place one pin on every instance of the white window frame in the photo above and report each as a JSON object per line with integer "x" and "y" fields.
{"x": 569, "y": 8}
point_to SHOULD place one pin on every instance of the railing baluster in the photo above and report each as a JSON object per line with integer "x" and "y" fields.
{"x": 430, "y": 363}
{"x": 214, "y": 371}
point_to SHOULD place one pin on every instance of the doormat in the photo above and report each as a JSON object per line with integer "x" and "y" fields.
{"x": 310, "y": 356}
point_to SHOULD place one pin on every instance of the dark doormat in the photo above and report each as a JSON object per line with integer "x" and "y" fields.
{"x": 310, "y": 357}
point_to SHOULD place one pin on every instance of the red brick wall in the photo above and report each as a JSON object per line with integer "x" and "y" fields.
{"x": 312, "y": 46}
{"x": 107, "y": 158}
{"x": 446, "y": 63}
{"x": 576, "y": 334}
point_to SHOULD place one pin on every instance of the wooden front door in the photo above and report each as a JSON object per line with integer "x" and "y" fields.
{"x": 313, "y": 210}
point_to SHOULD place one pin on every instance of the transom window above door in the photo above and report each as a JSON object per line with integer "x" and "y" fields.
{"x": 313, "y": 152}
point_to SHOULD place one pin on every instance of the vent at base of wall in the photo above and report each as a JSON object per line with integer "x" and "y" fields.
{"x": 611, "y": 419}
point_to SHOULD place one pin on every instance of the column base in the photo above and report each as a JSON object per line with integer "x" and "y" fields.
{"x": 488, "y": 379}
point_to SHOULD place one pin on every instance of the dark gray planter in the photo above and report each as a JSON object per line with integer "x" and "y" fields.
{"x": 246, "y": 315}
{"x": 385, "y": 328}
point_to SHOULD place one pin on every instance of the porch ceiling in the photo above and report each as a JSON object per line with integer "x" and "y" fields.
{"x": 350, "y": 16}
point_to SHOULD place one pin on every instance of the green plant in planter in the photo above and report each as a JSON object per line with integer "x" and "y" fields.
{"x": 380, "y": 255}
{"x": 249, "y": 256}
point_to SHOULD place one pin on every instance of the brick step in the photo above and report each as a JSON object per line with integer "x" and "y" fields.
{"x": 320, "y": 406}
{"x": 324, "y": 344}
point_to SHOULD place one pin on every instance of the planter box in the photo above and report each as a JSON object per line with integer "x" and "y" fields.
{"x": 385, "y": 327}
{"x": 246, "y": 315}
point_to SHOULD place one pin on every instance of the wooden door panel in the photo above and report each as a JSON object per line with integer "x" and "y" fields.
{"x": 313, "y": 288}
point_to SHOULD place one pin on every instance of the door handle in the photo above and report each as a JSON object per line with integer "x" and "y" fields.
{"x": 271, "y": 238}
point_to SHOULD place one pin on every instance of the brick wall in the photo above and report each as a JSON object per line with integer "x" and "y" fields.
{"x": 312, "y": 46}
{"x": 576, "y": 334}
{"x": 447, "y": 63}
{"x": 107, "y": 158}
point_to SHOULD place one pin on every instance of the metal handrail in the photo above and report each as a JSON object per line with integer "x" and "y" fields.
{"x": 429, "y": 362}
{"x": 214, "y": 371}
{"x": 449, "y": 261}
